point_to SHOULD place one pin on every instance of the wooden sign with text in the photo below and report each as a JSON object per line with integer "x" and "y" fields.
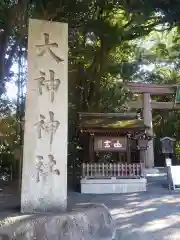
{"x": 116, "y": 144}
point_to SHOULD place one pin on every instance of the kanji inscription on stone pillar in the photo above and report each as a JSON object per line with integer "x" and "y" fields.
{"x": 44, "y": 175}
{"x": 43, "y": 168}
{"x": 49, "y": 126}
{"x": 51, "y": 84}
{"x": 47, "y": 46}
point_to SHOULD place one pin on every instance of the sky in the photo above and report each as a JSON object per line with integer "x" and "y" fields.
{"x": 11, "y": 90}
{"x": 11, "y": 86}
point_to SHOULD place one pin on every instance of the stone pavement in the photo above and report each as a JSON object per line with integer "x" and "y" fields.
{"x": 153, "y": 215}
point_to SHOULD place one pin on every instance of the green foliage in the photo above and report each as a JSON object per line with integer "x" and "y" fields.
{"x": 163, "y": 55}
{"x": 104, "y": 51}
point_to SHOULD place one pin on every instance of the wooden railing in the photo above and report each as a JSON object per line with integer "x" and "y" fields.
{"x": 119, "y": 170}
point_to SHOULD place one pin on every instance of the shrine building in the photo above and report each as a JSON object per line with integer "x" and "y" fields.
{"x": 114, "y": 145}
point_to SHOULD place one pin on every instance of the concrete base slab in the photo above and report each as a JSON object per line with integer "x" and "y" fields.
{"x": 148, "y": 172}
{"x": 113, "y": 185}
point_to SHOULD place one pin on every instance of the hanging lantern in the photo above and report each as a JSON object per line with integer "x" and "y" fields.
{"x": 167, "y": 145}
{"x": 142, "y": 144}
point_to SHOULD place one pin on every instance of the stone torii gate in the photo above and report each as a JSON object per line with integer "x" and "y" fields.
{"x": 147, "y": 105}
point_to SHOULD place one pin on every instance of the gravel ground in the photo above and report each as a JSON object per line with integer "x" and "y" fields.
{"x": 153, "y": 215}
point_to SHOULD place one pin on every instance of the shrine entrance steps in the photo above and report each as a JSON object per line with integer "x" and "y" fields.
{"x": 155, "y": 172}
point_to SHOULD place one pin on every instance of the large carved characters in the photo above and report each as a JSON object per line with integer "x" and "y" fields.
{"x": 47, "y": 126}
{"x": 44, "y": 173}
{"x": 42, "y": 170}
{"x": 46, "y": 165}
{"x": 47, "y": 47}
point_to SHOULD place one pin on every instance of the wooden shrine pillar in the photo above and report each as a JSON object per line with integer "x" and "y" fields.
{"x": 91, "y": 148}
{"x": 142, "y": 155}
{"x": 128, "y": 151}
{"x": 147, "y": 116}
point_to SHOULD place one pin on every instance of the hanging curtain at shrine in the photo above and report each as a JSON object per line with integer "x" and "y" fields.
{"x": 177, "y": 97}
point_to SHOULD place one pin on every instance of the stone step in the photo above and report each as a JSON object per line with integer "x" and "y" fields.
{"x": 156, "y": 171}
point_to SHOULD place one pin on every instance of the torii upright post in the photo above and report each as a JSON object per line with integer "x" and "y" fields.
{"x": 147, "y": 116}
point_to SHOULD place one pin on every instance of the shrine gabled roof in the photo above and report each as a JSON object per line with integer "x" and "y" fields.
{"x": 112, "y": 122}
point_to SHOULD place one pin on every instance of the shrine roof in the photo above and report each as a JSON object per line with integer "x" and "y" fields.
{"x": 129, "y": 115}
{"x": 110, "y": 121}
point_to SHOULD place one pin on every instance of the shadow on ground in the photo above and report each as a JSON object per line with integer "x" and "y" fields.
{"x": 154, "y": 214}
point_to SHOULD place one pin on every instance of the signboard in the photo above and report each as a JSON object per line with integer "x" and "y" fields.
{"x": 174, "y": 176}
{"x": 167, "y": 145}
{"x": 116, "y": 144}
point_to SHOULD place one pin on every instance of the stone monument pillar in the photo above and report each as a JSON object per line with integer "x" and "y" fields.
{"x": 147, "y": 115}
{"x": 44, "y": 175}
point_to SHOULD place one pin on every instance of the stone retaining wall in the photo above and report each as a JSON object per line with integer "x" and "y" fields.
{"x": 89, "y": 222}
